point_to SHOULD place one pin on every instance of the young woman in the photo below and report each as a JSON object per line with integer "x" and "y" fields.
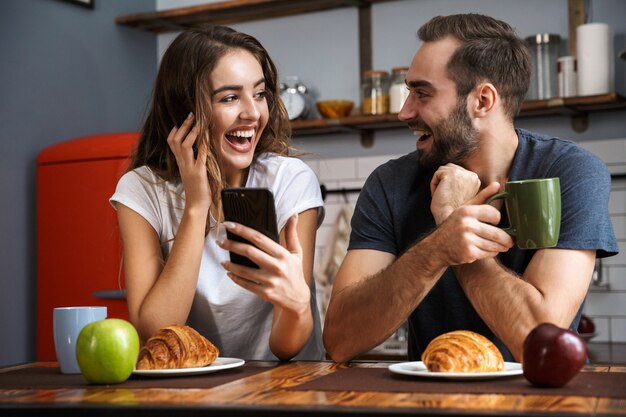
{"x": 217, "y": 121}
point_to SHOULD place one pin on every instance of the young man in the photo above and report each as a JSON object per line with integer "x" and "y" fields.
{"x": 425, "y": 247}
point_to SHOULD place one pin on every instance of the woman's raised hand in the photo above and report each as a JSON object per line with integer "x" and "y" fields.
{"x": 280, "y": 278}
{"x": 192, "y": 169}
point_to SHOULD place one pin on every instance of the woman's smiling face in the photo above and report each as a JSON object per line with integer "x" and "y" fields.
{"x": 240, "y": 112}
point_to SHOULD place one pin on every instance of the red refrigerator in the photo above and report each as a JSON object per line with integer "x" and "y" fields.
{"x": 78, "y": 244}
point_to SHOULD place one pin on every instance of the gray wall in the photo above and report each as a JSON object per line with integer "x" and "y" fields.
{"x": 65, "y": 72}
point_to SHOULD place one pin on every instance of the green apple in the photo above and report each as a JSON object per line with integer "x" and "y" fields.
{"x": 107, "y": 350}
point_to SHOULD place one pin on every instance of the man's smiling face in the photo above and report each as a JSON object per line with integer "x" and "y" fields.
{"x": 434, "y": 112}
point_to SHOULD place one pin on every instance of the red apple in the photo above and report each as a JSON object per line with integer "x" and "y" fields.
{"x": 552, "y": 355}
{"x": 586, "y": 325}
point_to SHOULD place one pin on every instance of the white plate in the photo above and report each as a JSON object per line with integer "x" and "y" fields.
{"x": 218, "y": 365}
{"x": 587, "y": 336}
{"x": 419, "y": 369}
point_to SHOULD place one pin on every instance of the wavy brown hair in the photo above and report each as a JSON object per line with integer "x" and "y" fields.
{"x": 490, "y": 50}
{"x": 182, "y": 87}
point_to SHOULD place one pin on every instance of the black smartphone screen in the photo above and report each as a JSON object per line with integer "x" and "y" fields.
{"x": 252, "y": 207}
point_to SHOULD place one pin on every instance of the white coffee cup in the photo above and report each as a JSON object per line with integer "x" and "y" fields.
{"x": 67, "y": 324}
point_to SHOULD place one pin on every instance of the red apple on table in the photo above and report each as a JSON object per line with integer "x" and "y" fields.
{"x": 586, "y": 325}
{"x": 552, "y": 355}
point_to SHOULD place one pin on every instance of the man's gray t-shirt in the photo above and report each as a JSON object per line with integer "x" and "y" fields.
{"x": 393, "y": 212}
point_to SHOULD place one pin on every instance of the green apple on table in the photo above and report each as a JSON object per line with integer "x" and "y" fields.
{"x": 107, "y": 350}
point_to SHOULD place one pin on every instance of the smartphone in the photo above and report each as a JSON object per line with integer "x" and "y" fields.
{"x": 252, "y": 207}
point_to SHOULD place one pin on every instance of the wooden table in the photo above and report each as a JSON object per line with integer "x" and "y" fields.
{"x": 270, "y": 392}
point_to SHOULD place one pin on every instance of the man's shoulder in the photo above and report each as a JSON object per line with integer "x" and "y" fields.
{"x": 544, "y": 149}
{"x": 547, "y": 143}
{"x": 393, "y": 179}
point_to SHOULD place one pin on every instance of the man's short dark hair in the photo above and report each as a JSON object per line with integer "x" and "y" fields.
{"x": 490, "y": 51}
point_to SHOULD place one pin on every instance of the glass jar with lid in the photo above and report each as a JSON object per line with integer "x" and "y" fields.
{"x": 375, "y": 92}
{"x": 398, "y": 92}
{"x": 544, "y": 50}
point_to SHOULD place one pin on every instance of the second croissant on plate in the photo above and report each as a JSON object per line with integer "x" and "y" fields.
{"x": 462, "y": 351}
{"x": 174, "y": 347}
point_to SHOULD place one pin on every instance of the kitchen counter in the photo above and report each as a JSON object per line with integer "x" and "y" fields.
{"x": 319, "y": 388}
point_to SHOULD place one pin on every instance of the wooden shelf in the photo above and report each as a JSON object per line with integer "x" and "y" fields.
{"x": 348, "y": 124}
{"x": 572, "y": 106}
{"x": 232, "y": 11}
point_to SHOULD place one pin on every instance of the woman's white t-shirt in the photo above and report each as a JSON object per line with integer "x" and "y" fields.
{"x": 237, "y": 321}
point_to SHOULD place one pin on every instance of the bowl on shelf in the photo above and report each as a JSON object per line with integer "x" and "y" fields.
{"x": 335, "y": 108}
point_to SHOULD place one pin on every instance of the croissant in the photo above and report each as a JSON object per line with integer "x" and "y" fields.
{"x": 462, "y": 351}
{"x": 175, "y": 347}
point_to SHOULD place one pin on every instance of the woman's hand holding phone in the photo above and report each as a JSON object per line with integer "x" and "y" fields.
{"x": 193, "y": 174}
{"x": 280, "y": 277}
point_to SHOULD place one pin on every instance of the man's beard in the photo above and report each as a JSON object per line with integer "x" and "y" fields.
{"x": 453, "y": 139}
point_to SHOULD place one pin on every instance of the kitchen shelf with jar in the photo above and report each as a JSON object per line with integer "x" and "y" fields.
{"x": 235, "y": 11}
{"x": 576, "y": 107}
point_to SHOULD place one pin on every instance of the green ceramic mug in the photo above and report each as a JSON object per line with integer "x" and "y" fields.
{"x": 534, "y": 210}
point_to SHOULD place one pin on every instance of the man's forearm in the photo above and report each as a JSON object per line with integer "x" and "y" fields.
{"x": 506, "y": 303}
{"x": 363, "y": 315}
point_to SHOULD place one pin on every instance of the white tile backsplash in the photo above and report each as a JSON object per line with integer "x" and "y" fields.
{"x": 602, "y": 329}
{"x": 616, "y": 277}
{"x": 617, "y": 201}
{"x": 314, "y": 164}
{"x": 619, "y": 226}
{"x": 365, "y": 165}
{"x": 618, "y": 329}
{"x": 324, "y": 233}
{"x": 607, "y": 307}
{"x": 332, "y": 210}
{"x": 337, "y": 169}
{"x": 611, "y": 151}
{"x": 358, "y": 183}
{"x": 609, "y": 303}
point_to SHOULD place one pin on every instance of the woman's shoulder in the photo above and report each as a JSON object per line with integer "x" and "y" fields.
{"x": 269, "y": 158}
{"x": 274, "y": 165}
{"x": 146, "y": 178}
{"x": 281, "y": 173}
{"x": 142, "y": 173}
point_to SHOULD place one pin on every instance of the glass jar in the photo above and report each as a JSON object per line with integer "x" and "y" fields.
{"x": 544, "y": 49}
{"x": 566, "y": 76}
{"x": 398, "y": 92}
{"x": 375, "y": 92}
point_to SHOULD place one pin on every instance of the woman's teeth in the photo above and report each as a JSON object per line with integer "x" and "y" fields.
{"x": 240, "y": 135}
{"x": 243, "y": 133}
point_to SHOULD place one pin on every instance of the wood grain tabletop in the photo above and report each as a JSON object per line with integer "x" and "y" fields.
{"x": 274, "y": 390}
